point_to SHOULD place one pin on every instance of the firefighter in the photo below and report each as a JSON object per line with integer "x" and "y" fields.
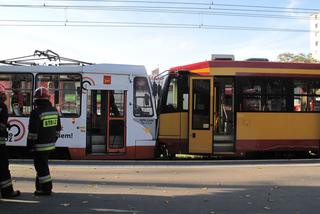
{"x": 44, "y": 129}
{"x": 5, "y": 176}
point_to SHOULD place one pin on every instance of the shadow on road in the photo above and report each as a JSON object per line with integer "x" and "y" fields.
{"x": 214, "y": 199}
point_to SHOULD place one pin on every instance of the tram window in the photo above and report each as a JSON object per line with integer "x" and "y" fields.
{"x": 172, "y": 97}
{"x": 251, "y": 104}
{"x": 142, "y": 98}
{"x": 306, "y": 95}
{"x": 201, "y": 105}
{"x": 116, "y": 103}
{"x": 19, "y": 93}
{"x": 251, "y": 91}
{"x": 263, "y": 94}
{"x": 185, "y": 102}
{"x": 314, "y": 87}
{"x": 184, "y": 85}
{"x": 275, "y": 104}
{"x": 275, "y": 99}
{"x": 275, "y": 87}
{"x": 64, "y": 92}
{"x": 98, "y": 102}
{"x": 314, "y": 98}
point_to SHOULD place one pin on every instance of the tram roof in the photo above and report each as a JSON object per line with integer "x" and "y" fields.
{"x": 245, "y": 64}
{"x": 123, "y": 69}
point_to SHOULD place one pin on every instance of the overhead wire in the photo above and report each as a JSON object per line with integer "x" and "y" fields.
{"x": 223, "y": 12}
{"x": 186, "y": 3}
{"x": 69, "y": 23}
{"x": 209, "y": 6}
{"x": 258, "y": 13}
{"x": 173, "y": 11}
{"x": 137, "y": 8}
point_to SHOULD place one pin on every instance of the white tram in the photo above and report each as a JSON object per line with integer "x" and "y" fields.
{"x": 107, "y": 110}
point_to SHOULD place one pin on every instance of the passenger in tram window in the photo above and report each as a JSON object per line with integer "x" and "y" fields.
{"x": 17, "y": 99}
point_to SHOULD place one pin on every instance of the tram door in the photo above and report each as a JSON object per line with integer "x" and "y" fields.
{"x": 224, "y": 139}
{"x": 201, "y": 115}
{"x": 106, "y": 121}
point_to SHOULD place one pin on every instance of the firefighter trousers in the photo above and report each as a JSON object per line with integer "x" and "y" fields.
{"x": 5, "y": 176}
{"x": 43, "y": 179}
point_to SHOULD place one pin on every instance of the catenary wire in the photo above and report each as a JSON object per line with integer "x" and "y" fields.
{"x": 137, "y": 8}
{"x": 211, "y": 3}
{"x": 41, "y": 23}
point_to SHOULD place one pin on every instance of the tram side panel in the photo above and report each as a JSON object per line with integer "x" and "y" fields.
{"x": 277, "y": 132}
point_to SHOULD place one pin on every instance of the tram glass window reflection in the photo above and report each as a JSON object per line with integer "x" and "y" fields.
{"x": 263, "y": 94}
{"x": 314, "y": 98}
{"x": 19, "y": 93}
{"x": 172, "y": 97}
{"x": 64, "y": 92}
{"x": 117, "y": 100}
{"x": 275, "y": 98}
{"x": 184, "y": 84}
{"x": 201, "y": 105}
{"x": 251, "y": 91}
{"x": 306, "y": 95}
{"x": 142, "y": 106}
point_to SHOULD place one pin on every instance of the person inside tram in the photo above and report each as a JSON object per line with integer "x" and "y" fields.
{"x": 17, "y": 99}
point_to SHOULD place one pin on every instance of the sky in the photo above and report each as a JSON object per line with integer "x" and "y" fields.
{"x": 153, "y": 47}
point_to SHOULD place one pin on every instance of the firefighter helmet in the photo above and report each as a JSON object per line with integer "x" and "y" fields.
{"x": 41, "y": 93}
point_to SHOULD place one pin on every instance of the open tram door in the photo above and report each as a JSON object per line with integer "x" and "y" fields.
{"x": 106, "y": 122}
{"x": 201, "y": 115}
{"x": 224, "y": 129}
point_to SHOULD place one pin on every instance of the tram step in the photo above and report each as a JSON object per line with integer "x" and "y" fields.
{"x": 98, "y": 148}
{"x": 223, "y": 137}
{"x": 223, "y": 147}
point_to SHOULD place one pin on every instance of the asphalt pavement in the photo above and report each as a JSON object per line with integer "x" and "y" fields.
{"x": 264, "y": 186}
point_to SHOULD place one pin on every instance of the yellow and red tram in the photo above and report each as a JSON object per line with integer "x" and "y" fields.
{"x": 226, "y": 107}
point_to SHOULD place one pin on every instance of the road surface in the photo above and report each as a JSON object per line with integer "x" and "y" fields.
{"x": 212, "y": 187}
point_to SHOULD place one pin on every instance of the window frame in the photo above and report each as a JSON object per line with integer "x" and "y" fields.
{"x": 32, "y": 90}
{"x": 289, "y": 95}
{"x": 308, "y": 82}
{"x": 64, "y": 115}
{"x": 263, "y": 96}
{"x": 183, "y": 88}
{"x": 195, "y": 112}
{"x": 134, "y": 97}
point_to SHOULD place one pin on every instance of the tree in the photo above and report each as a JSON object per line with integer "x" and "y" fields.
{"x": 303, "y": 58}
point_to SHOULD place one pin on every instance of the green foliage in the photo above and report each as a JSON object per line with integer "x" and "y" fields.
{"x": 298, "y": 58}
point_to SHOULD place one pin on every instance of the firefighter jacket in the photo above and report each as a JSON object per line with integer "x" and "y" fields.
{"x": 3, "y": 123}
{"x": 44, "y": 126}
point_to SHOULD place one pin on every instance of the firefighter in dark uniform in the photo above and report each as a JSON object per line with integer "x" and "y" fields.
{"x": 44, "y": 129}
{"x": 5, "y": 176}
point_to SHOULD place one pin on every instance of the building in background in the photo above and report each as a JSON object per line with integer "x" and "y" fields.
{"x": 315, "y": 35}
